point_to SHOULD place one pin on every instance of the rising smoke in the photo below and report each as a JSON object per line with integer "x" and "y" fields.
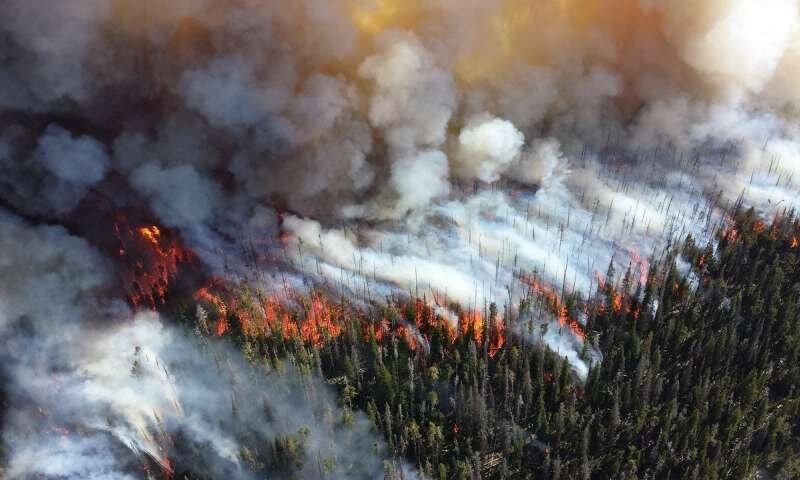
{"x": 430, "y": 147}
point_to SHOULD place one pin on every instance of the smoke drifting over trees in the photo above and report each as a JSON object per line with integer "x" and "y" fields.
{"x": 434, "y": 148}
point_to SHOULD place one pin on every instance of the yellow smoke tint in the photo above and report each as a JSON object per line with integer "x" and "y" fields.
{"x": 542, "y": 32}
{"x": 510, "y": 23}
{"x": 581, "y": 14}
{"x": 372, "y": 17}
{"x": 506, "y": 32}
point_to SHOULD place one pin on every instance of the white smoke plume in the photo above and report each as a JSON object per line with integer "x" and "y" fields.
{"x": 487, "y": 146}
{"x": 382, "y": 147}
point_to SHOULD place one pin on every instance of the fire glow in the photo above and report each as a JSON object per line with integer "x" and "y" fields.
{"x": 152, "y": 258}
{"x": 269, "y": 316}
{"x": 557, "y": 306}
{"x": 315, "y": 320}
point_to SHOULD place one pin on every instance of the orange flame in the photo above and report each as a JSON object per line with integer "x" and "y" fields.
{"x": 222, "y": 326}
{"x": 408, "y": 336}
{"x": 152, "y": 259}
{"x": 616, "y": 301}
{"x": 730, "y": 234}
{"x": 205, "y": 294}
{"x": 426, "y": 319}
{"x": 557, "y": 306}
{"x": 152, "y": 234}
{"x": 471, "y": 322}
{"x": 321, "y": 320}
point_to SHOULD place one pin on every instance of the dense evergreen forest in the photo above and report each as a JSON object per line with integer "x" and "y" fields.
{"x": 699, "y": 376}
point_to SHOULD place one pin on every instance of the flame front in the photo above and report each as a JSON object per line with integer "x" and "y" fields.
{"x": 316, "y": 320}
{"x": 152, "y": 259}
{"x": 557, "y": 306}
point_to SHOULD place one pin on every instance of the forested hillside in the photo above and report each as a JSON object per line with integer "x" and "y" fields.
{"x": 699, "y": 375}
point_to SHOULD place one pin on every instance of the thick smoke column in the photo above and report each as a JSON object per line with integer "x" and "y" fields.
{"x": 437, "y": 148}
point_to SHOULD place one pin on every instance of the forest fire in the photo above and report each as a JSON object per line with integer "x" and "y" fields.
{"x": 556, "y": 306}
{"x": 619, "y": 300}
{"x": 152, "y": 234}
{"x": 206, "y": 295}
{"x": 471, "y": 322}
{"x": 323, "y": 320}
{"x": 616, "y": 301}
{"x": 755, "y": 227}
{"x": 404, "y": 332}
{"x": 474, "y": 323}
{"x": 730, "y": 235}
{"x": 314, "y": 320}
{"x": 267, "y": 316}
{"x": 151, "y": 257}
{"x": 426, "y": 319}
{"x": 309, "y": 239}
{"x": 222, "y": 327}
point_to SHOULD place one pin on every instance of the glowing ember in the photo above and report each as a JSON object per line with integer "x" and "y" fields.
{"x": 152, "y": 234}
{"x": 616, "y": 301}
{"x": 730, "y": 235}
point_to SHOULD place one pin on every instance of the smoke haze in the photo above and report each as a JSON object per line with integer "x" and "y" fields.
{"x": 436, "y": 148}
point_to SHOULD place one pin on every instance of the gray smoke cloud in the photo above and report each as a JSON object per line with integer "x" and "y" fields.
{"x": 94, "y": 389}
{"x": 431, "y": 146}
